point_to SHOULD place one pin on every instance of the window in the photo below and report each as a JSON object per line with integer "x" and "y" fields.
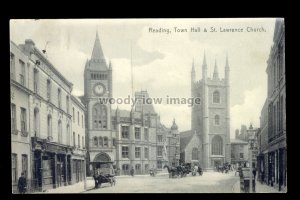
{"x": 146, "y": 134}
{"x": 137, "y": 152}
{"x": 49, "y": 125}
{"x": 78, "y": 141}
{"x": 105, "y": 142}
{"x": 159, "y": 164}
{"x": 59, "y": 97}
{"x": 23, "y": 120}
{"x": 137, "y": 132}
{"x": 22, "y": 75}
{"x": 78, "y": 117}
{"x": 241, "y": 155}
{"x": 25, "y": 164}
{"x": 36, "y": 122}
{"x": 68, "y": 135}
{"x": 217, "y": 120}
{"x": 95, "y": 141}
{"x": 125, "y": 152}
{"x": 74, "y": 144}
{"x": 138, "y": 168}
{"x": 159, "y": 151}
{"x": 82, "y": 139}
{"x": 13, "y": 117}
{"x": 67, "y": 104}
{"x": 59, "y": 127}
{"x": 146, "y": 153}
{"x": 12, "y": 67}
{"x": 82, "y": 121}
{"x": 100, "y": 140}
{"x": 35, "y": 80}
{"x": 114, "y": 141}
{"x": 195, "y": 154}
{"x": 14, "y": 168}
{"x": 73, "y": 115}
{"x": 159, "y": 138}
{"x": 125, "y": 131}
{"x": 125, "y": 169}
{"x": 217, "y": 145}
{"x": 146, "y": 167}
{"x": 99, "y": 116}
{"x": 48, "y": 89}
{"x": 216, "y": 97}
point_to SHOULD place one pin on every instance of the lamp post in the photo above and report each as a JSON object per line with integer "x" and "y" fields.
{"x": 251, "y": 142}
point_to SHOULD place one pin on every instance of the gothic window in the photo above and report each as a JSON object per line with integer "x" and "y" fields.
{"x": 105, "y": 142}
{"x": 216, "y": 97}
{"x": 159, "y": 151}
{"x": 67, "y": 104}
{"x": 23, "y": 120}
{"x": 125, "y": 152}
{"x": 100, "y": 141}
{"x": 74, "y": 142}
{"x": 78, "y": 141}
{"x": 146, "y": 151}
{"x": 137, "y": 152}
{"x": 146, "y": 134}
{"x": 125, "y": 169}
{"x": 73, "y": 115}
{"x": 217, "y": 145}
{"x": 217, "y": 120}
{"x": 95, "y": 141}
{"x": 195, "y": 154}
{"x": 99, "y": 116}
{"x": 125, "y": 132}
{"x": 137, "y": 133}
{"x": 82, "y": 139}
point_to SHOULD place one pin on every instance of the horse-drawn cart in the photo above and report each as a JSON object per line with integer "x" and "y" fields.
{"x": 104, "y": 173}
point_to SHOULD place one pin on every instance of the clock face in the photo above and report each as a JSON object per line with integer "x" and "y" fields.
{"x": 99, "y": 89}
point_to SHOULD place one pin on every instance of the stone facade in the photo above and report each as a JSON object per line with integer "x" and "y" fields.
{"x": 211, "y": 119}
{"x": 190, "y": 148}
{"x": 239, "y": 151}
{"x": 49, "y": 118}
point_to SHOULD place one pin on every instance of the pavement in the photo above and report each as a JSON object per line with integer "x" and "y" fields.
{"x": 259, "y": 188}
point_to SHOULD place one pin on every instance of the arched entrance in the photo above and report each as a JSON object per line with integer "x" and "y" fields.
{"x": 102, "y": 163}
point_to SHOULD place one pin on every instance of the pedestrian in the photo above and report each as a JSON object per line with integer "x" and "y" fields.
{"x": 96, "y": 179}
{"x": 22, "y": 184}
{"x": 132, "y": 171}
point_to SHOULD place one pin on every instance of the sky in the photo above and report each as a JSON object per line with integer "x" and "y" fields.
{"x": 162, "y": 61}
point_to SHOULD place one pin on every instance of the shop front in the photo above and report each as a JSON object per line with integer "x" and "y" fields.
{"x": 51, "y": 164}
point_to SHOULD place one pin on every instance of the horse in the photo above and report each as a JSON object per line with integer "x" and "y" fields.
{"x": 172, "y": 171}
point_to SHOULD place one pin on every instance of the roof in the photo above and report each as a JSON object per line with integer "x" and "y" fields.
{"x": 237, "y": 141}
{"x": 97, "y": 61}
{"x": 185, "y": 138}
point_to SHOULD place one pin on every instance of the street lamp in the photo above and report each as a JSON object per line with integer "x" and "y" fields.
{"x": 252, "y": 146}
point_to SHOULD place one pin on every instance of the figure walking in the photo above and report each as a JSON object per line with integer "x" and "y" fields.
{"x": 22, "y": 184}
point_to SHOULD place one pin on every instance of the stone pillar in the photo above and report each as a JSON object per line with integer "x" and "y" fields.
{"x": 66, "y": 170}
{"x": 55, "y": 171}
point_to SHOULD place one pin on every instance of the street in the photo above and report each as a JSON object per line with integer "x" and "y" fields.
{"x": 209, "y": 182}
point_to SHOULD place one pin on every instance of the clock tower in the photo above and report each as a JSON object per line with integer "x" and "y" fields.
{"x": 98, "y": 86}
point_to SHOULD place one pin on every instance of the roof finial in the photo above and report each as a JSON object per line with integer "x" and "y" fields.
{"x": 216, "y": 74}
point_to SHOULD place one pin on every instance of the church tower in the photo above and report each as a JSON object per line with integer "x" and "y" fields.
{"x": 97, "y": 88}
{"x": 211, "y": 119}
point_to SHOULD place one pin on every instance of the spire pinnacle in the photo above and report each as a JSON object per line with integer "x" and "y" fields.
{"x": 193, "y": 66}
{"x": 227, "y": 63}
{"x": 97, "y": 50}
{"x": 204, "y": 59}
{"x": 216, "y": 74}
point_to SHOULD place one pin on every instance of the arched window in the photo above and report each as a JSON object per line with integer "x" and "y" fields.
{"x": 217, "y": 120}
{"x": 95, "y": 141}
{"x": 99, "y": 116}
{"x": 36, "y": 122}
{"x": 195, "y": 154}
{"x": 68, "y": 134}
{"x": 49, "y": 126}
{"x": 217, "y": 145}
{"x": 216, "y": 97}
{"x": 105, "y": 142}
{"x": 59, "y": 127}
{"x": 100, "y": 141}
